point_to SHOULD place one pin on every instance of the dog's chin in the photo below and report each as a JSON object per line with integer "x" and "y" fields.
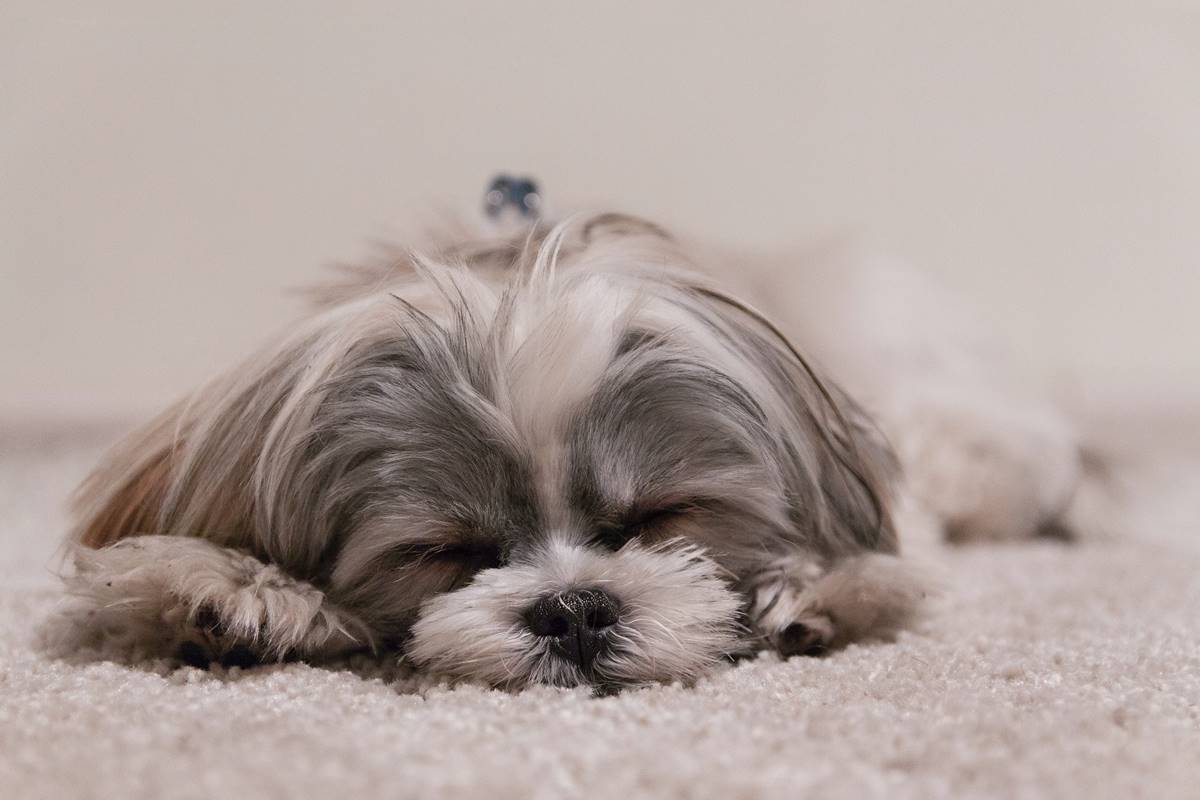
{"x": 678, "y": 619}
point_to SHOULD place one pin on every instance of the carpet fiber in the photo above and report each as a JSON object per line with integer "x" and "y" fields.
{"x": 1044, "y": 670}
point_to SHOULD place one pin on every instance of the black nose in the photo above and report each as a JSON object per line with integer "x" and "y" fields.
{"x": 576, "y": 622}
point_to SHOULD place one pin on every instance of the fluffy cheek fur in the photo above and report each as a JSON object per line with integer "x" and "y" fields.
{"x": 677, "y": 618}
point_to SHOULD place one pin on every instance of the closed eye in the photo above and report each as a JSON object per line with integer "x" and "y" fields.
{"x": 472, "y": 556}
{"x": 638, "y": 522}
{"x": 658, "y": 516}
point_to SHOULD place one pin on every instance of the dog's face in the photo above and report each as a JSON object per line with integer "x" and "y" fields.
{"x": 532, "y": 498}
{"x": 569, "y": 475}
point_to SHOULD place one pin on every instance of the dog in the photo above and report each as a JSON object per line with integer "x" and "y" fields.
{"x": 573, "y": 455}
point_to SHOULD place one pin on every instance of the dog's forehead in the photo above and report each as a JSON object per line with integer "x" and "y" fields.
{"x": 655, "y": 420}
{"x": 522, "y": 417}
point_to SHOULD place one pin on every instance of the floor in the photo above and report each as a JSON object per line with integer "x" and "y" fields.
{"x": 1046, "y": 670}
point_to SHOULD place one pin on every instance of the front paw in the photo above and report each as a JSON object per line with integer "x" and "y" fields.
{"x": 804, "y": 610}
{"x": 205, "y": 639}
{"x": 783, "y": 609}
{"x": 187, "y": 598}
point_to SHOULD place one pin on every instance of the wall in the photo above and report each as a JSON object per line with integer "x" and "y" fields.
{"x": 166, "y": 171}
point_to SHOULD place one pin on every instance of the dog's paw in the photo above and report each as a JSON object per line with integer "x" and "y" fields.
{"x": 810, "y": 636}
{"x": 206, "y": 636}
{"x": 189, "y": 599}
{"x": 799, "y": 608}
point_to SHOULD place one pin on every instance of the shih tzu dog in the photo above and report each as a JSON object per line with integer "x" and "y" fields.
{"x": 569, "y": 456}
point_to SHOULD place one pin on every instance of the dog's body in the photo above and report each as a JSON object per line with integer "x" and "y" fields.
{"x": 565, "y": 457}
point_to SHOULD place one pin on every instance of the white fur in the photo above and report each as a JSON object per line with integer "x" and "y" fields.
{"x": 677, "y": 618}
{"x": 981, "y": 447}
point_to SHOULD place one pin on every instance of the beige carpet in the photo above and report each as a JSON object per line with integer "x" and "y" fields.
{"x": 1047, "y": 671}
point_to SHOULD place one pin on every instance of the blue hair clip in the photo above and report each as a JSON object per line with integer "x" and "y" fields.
{"x": 519, "y": 194}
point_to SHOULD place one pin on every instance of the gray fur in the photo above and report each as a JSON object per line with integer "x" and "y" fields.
{"x": 442, "y": 437}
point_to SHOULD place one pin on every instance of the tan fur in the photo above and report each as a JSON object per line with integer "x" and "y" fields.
{"x": 124, "y": 496}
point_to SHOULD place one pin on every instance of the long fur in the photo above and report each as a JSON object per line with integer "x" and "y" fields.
{"x": 452, "y": 436}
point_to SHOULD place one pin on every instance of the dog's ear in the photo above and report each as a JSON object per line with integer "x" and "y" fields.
{"x": 838, "y": 465}
{"x": 190, "y": 471}
{"x": 243, "y": 462}
{"x": 195, "y": 470}
{"x": 124, "y": 495}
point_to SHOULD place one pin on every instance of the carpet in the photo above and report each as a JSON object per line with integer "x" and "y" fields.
{"x": 1044, "y": 670}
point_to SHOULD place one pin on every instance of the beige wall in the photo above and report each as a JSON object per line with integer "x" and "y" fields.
{"x": 165, "y": 171}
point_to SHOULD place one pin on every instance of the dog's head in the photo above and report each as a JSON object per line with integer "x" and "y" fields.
{"x": 561, "y": 468}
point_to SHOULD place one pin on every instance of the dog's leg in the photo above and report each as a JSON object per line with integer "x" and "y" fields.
{"x": 798, "y": 607}
{"x": 979, "y": 449}
{"x": 988, "y": 464}
{"x": 188, "y": 598}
